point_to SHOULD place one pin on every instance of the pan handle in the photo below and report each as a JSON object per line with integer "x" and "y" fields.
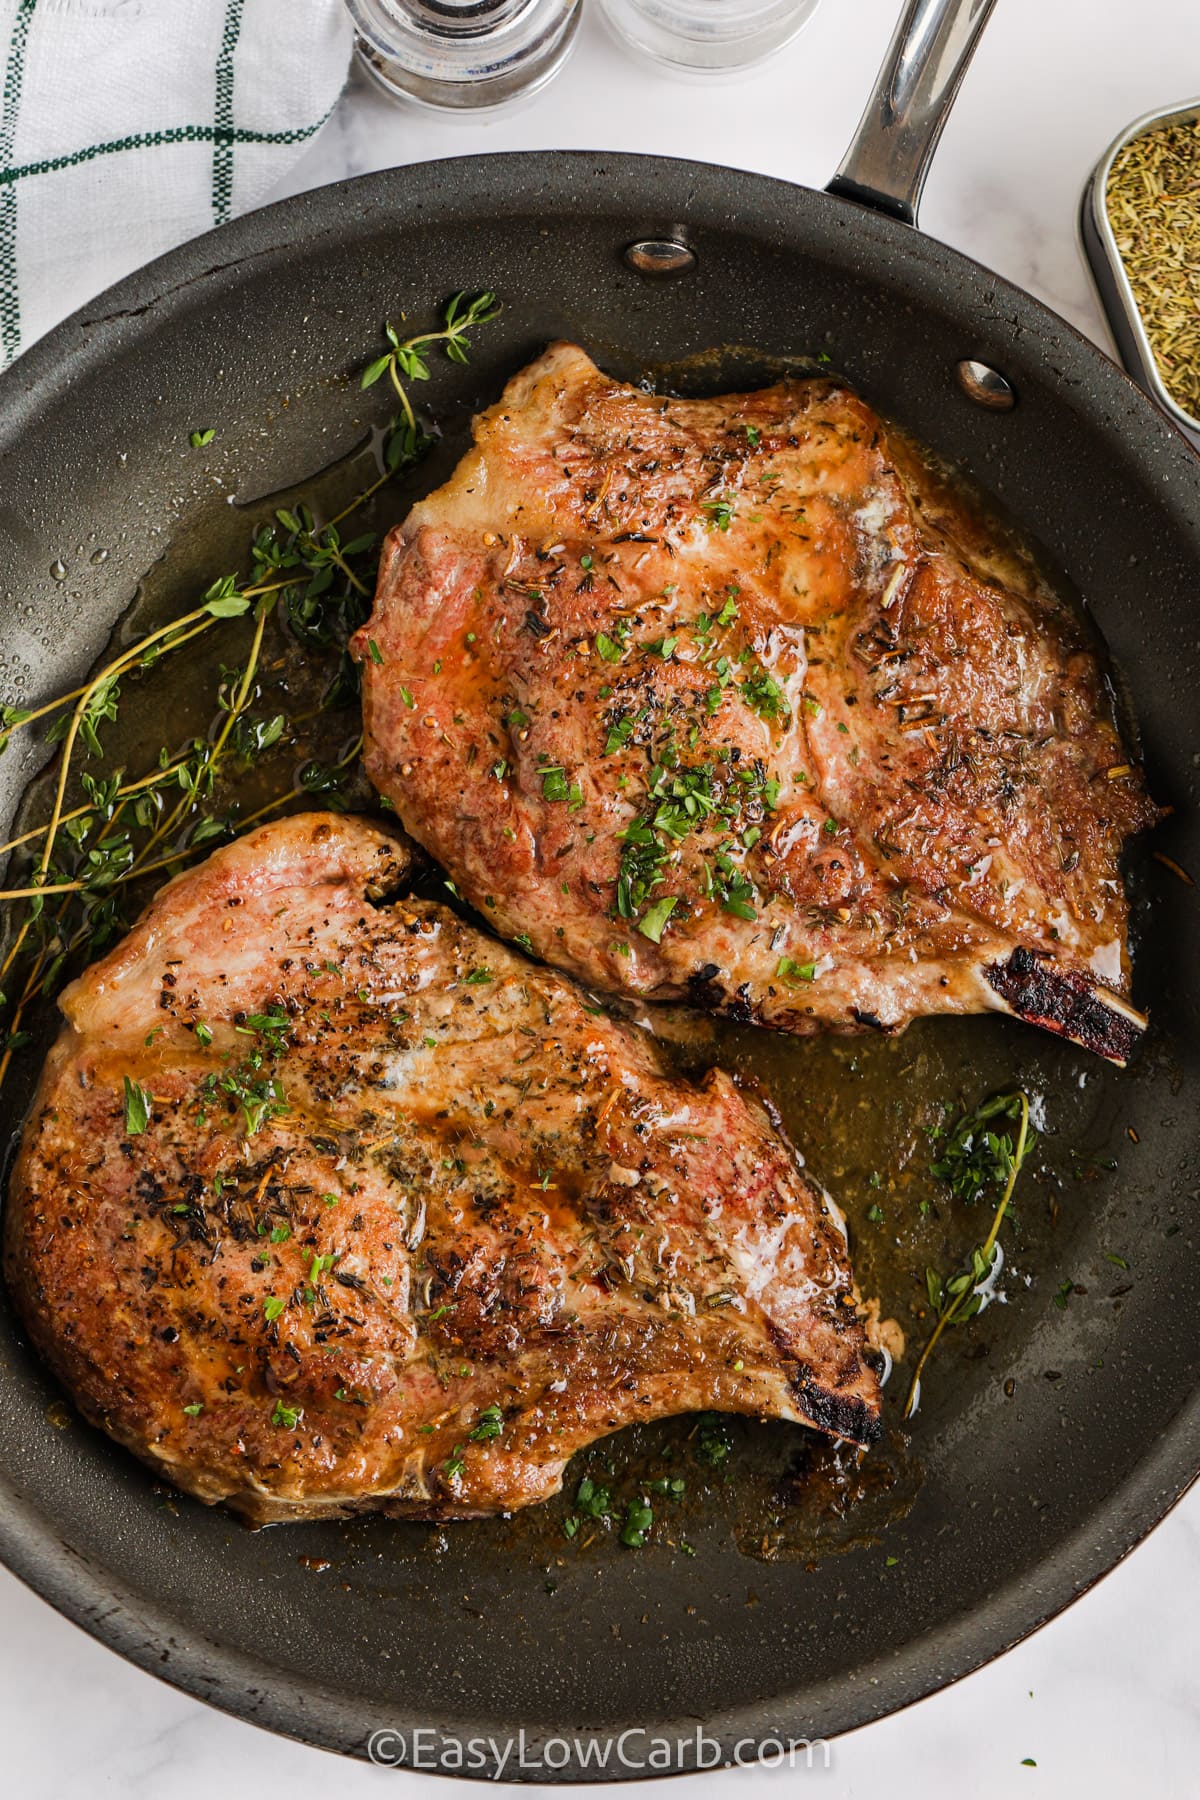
{"x": 888, "y": 160}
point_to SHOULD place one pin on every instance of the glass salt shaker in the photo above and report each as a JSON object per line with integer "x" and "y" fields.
{"x": 707, "y": 36}
{"x": 463, "y": 54}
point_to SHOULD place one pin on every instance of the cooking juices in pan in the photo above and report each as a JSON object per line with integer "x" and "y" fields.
{"x": 865, "y": 1112}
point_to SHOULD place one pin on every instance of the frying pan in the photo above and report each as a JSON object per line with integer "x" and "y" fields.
{"x": 1025, "y": 1500}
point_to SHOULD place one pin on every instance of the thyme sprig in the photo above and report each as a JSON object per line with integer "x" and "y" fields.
{"x": 405, "y": 359}
{"x": 975, "y": 1155}
{"x": 109, "y": 828}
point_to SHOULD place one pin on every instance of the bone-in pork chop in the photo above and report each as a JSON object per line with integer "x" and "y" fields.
{"x": 328, "y": 1203}
{"x": 733, "y": 700}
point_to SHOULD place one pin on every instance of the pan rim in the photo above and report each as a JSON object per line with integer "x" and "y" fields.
{"x": 113, "y": 1611}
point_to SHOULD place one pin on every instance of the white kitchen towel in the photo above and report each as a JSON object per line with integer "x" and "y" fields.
{"x": 127, "y": 126}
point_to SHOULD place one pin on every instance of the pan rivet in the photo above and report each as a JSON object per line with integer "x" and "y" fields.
{"x": 985, "y": 386}
{"x": 660, "y": 256}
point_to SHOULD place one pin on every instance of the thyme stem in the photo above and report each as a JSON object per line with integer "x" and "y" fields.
{"x": 986, "y": 1252}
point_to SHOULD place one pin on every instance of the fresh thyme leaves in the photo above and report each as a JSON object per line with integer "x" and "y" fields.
{"x": 654, "y": 919}
{"x": 680, "y": 803}
{"x": 557, "y": 786}
{"x": 252, "y": 1085}
{"x": 718, "y": 513}
{"x": 714, "y": 1441}
{"x": 489, "y": 1425}
{"x": 138, "y": 1107}
{"x": 596, "y": 1510}
{"x": 958, "y": 1298}
{"x": 198, "y": 439}
{"x": 405, "y": 359}
{"x": 619, "y": 734}
{"x": 732, "y": 887}
{"x": 593, "y": 1501}
{"x": 308, "y": 584}
{"x": 639, "y": 1517}
{"x": 764, "y": 696}
{"x": 641, "y": 867}
{"x": 610, "y": 649}
{"x": 975, "y": 1153}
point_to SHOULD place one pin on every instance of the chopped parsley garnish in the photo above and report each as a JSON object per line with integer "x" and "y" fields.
{"x": 288, "y": 1416}
{"x": 787, "y": 970}
{"x": 456, "y": 1462}
{"x": 719, "y": 514}
{"x": 273, "y": 1308}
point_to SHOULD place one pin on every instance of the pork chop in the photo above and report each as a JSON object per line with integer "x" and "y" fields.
{"x": 328, "y": 1203}
{"x": 734, "y": 700}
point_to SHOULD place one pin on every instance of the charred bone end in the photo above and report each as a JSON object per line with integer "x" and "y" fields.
{"x": 841, "y": 1415}
{"x": 1034, "y": 987}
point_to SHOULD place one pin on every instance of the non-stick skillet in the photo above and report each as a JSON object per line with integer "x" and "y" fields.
{"x": 1063, "y": 1433}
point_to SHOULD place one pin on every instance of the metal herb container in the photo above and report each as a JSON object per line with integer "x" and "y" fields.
{"x": 1111, "y": 275}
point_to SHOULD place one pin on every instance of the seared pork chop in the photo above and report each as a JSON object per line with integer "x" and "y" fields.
{"x": 328, "y": 1203}
{"x": 732, "y": 700}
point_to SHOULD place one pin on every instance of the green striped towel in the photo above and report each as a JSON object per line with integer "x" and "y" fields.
{"x": 129, "y": 125}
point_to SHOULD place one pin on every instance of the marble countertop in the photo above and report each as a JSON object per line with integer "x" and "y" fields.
{"x": 1104, "y": 1700}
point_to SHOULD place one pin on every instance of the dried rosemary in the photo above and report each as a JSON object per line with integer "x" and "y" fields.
{"x": 1153, "y": 203}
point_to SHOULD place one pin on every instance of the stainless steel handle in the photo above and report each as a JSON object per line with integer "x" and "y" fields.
{"x": 888, "y": 160}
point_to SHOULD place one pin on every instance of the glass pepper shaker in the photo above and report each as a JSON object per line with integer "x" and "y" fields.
{"x": 463, "y": 54}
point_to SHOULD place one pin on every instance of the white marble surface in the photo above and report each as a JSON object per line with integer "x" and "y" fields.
{"x": 1106, "y": 1699}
